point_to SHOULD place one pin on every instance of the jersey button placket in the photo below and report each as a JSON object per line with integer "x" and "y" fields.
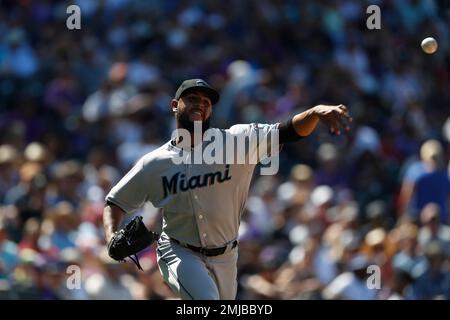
{"x": 188, "y": 168}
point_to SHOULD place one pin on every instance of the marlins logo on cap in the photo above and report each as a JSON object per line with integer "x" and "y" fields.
{"x": 197, "y": 84}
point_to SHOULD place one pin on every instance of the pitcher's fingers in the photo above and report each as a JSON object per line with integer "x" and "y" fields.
{"x": 344, "y": 122}
{"x": 334, "y": 127}
{"x": 344, "y": 112}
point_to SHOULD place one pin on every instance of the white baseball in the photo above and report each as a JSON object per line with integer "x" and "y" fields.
{"x": 429, "y": 45}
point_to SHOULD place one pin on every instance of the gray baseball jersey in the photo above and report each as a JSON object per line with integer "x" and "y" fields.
{"x": 202, "y": 203}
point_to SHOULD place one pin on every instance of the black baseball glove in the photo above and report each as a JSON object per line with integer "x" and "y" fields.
{"x": 128, "y": 241}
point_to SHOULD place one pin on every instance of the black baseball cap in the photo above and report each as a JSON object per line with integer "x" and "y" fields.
{"x": 197, "y": 84}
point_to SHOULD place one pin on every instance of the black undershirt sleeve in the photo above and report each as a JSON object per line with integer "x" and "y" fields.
{"x": 286, "y": 132}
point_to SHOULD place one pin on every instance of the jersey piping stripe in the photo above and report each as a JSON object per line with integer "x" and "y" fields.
{"x": 173, "y": 274}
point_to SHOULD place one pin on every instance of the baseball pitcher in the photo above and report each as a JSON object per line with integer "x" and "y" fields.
{"x": 202, "y": 197}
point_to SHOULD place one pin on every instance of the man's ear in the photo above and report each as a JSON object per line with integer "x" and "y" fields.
{"x": 174, "y": 105}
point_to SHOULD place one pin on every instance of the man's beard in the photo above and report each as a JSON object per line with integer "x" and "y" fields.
{"x": 186, "y": 123}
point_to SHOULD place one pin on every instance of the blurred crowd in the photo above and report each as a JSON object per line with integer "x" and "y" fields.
{"x": 360, "y": 216}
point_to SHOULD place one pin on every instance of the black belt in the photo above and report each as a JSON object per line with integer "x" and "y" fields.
{"x": 205, "y": 251}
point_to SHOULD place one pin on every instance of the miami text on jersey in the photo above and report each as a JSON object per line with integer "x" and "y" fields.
{"x": 179, "y": 182}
